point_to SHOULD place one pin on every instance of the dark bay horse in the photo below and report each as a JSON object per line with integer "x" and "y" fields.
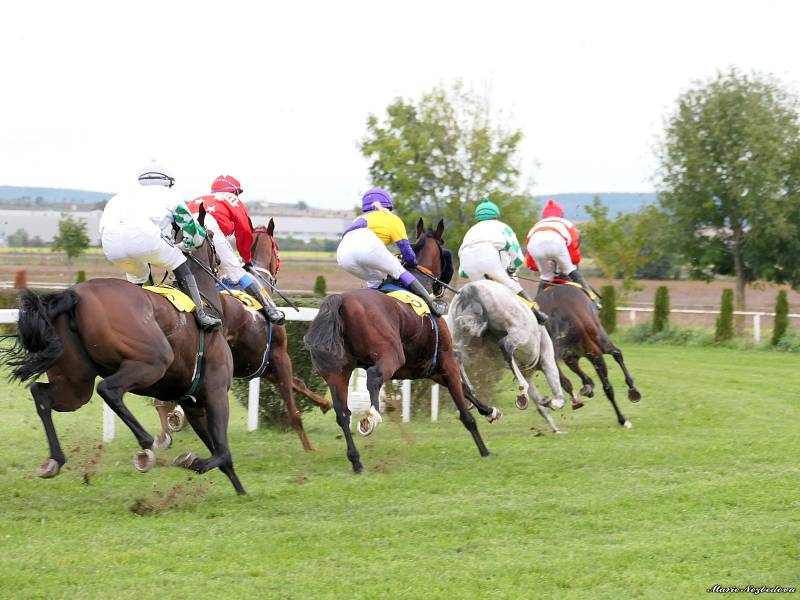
{"x": 368, "y": 329}
{"x": 574, "y": 326}
{"x": 249, "y": 336}
{"x": 136, "y": 341}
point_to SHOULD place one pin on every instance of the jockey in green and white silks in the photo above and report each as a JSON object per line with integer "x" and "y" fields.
{"x": 134, "y": 225}
{"x": 490, "y": 250}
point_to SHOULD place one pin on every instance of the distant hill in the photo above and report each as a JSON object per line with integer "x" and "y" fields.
{"x": 617, "y": 202}
{"x": 10, "y": 193}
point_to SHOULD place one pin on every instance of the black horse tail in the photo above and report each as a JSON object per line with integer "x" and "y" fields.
{"x": 38, "y": 346}
{"x": 325, "y": 337}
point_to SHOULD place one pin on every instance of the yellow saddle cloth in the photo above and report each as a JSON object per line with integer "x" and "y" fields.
{"x": 415, "y": 302}
{"x": 179, "y": 300}
{"x": 592, "y": 296}
{"x": 244, "y": 298}
{"x": 528, "y": 303}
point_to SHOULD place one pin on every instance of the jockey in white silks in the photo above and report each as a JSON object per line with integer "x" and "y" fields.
{"x": 490, "y": 250}
{"x": 133, "y": 230}
{"x": 363, "y": 253}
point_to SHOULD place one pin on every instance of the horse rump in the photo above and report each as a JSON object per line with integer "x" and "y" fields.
{"x": 325, "y": 337}
{"x": 469, "y": 314}
{"x": 38, "y": 346}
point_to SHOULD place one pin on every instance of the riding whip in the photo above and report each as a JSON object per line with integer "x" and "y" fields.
{"x": 254, "y": 272}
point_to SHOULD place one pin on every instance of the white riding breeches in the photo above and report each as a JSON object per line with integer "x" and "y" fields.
{"x": 362, "y": 254}
{"x": 549, "y": 250}
{"x": 481, "y": 260}
{"x": 230, "y": 264}
{"x": 131, "y": 248}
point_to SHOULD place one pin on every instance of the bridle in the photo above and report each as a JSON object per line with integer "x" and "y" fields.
{"x": 270, "y": 276}
{"x": 437, "y": 288}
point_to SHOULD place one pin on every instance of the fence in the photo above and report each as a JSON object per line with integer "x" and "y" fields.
{"x": 359, "y": 397}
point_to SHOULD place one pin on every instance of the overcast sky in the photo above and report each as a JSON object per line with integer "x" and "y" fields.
{"x": 278, "y": 94}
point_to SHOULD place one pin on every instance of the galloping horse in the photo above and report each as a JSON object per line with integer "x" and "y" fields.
{"x": 488, "y": 309}
{"x": 137, "y": 342}
{"x": 259, "y": 348}
{"x": 368, "y": 329}
{"x": 575, "y": 329}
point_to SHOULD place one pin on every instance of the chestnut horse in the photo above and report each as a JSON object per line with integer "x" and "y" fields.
{"x": 136, "y": 341}
{"x": 574, "y": 326}
{"x": 368, "y": 329}
{"x": 250, "y": 336}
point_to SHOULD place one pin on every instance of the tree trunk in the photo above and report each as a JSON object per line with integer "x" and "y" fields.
{"x": 739, "y": 293}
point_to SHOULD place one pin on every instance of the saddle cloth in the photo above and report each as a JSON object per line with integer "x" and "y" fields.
{"x": 178, "y": 299}
{"x": 558, "y": 281}
{"x": 417, "y": 304}
{"x": 243, "y": 297}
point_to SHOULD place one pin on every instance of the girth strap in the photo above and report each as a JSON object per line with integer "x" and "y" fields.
{"x": 264, "y": 361}
{"x": 435, "y": 359}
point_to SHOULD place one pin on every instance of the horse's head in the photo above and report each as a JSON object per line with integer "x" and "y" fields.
{"x": 266, "y": 258}
{"x": 432, "y": 256}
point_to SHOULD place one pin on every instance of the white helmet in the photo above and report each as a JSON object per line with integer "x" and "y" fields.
{"x": 154, "y": 174}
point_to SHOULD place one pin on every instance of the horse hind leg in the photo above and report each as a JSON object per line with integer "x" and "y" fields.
{"x": 507, "y": 350}
{"x": 602, "y": 372}
{"x": 338, "y": 384}
{"x": 573, "y": 362}
{"x": 298, "y": 385}
{"x": 451, "y": 379}
{"x": 633, "y": 393}
{"x": 44, "y": 407}
{"x": 377, "y": 374}
{"x": 281, "y": 374}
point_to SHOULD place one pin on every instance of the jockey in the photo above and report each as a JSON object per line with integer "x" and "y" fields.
{"x": 228, "y": 219}
{"x": 133, "y": 229}
{"x": 555, "y": 242}
{"x": 490, "y": 250}
{"x": 363, "y": 253}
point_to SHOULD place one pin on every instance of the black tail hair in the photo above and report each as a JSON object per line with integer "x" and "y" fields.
{"x": 325, "y": 337}
{"x": 38, "y": 345}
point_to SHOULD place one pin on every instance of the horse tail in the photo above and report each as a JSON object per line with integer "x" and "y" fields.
{"x": 325, "y": 337}
{"x": 472, "y": 317}
{"x": 38, "y": 346}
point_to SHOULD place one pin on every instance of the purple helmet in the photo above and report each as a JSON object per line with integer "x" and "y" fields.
{"x": 376, "y": 195}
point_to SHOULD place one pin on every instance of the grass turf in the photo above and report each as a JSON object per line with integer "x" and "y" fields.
{"x": 702, "y": 491}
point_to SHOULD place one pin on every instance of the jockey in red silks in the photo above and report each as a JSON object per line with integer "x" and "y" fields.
{"x": 227, "y": 217}
{"x": 552, "y": 243}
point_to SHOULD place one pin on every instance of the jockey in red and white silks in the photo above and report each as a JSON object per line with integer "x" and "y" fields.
{"x": 136, "y": 226}
{"x": 227, "y": 217}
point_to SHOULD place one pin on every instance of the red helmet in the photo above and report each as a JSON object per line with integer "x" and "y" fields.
{"x": 552, "y": 209}
{"x": 226, "y": 183}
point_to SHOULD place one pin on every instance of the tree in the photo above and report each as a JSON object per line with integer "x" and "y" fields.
{"x": 320, "y": 286}
{"x": 781, "y": 322}
{"x": 661, "y": 309}
{"x": 72, "y": 238}
{"x": 608, "y": 310}
{"x": 18, "y": 239}
{"x": 729, "y": 158}
{"x": 724, "y": 330}
{"x": 441, "y": 154}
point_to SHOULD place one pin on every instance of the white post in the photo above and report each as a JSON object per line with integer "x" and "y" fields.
{"x": 757, "y": 328}
{"x": 252, "y": 404}
{"x": 633, "y": 317}
{"x": 434, "y": 403}
{"x": 406, "y": 394}
{"x": 108, "y": 423}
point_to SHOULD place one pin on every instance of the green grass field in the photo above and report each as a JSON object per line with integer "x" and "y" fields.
{"x": 702, "y": 491}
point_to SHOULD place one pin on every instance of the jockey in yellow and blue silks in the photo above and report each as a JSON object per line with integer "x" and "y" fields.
{"x": 363, "y": 253}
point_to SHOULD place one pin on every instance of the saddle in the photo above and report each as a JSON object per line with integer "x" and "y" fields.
{"x": 179, "y": 300}
{"x": 561, "y": 281}
{"x": 401, "y": 294}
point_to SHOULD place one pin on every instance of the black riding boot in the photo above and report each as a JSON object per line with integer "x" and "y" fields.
{"x": 540, "y": 316}
{"x": 188, "y": 285}
{"x": 437, "y": 308}
{"x": 270, "y": 312}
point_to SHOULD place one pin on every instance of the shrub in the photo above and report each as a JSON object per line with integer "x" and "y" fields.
{"x": 320, "y": 286}
{"x": 661, "y": 309}
{"x": 81, "y": 276}
{"x": 608, "y": 311}
{"x": 781, "y": 317}
{"x": 272, "y": 412}
{"x": 724, "y": 329}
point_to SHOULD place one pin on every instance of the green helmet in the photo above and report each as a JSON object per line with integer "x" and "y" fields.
{"x": 486, "y": 210}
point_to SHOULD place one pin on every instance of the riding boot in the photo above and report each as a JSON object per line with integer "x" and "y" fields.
{"x": 576, "y": 277}
{"x": 187, "y": 284}
{"x": 437, "y": 308}
{"x": 268, "y": 310}
{"x": 540, "y": 316}
{"x": 542, "y": 286}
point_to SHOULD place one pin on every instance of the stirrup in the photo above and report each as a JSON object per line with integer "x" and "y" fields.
{"x": 276, "y": 316}
{"x": 207, "y": 322}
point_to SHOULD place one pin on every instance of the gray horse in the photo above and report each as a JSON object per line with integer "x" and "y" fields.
{"x": 489, "y": 310}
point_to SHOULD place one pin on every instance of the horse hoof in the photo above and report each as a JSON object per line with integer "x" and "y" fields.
{"x": 555, "y": 403}
{"x": 366, "y": 426}
{"x": 163, "y": 441}
{"x": 576, "y": 404}
{"x": 587, "y": 391}
{"x": 183, "y": 460}
{"x": 48, "y": 469}
{"x": 144, "y": 460}
{"x": 521, "y": 402}
{"x": 627, "y": 424}
{"x": 176, "y": 419}
{"x": 494, "y": 415}
{"x": 634, "y": 395}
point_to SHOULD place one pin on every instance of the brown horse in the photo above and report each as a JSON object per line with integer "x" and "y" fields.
{"x": 136, "y": 341}
{"x": 368, "y": 329}
{"x": 574, "y": 326}
{"x": 259, "y": 348}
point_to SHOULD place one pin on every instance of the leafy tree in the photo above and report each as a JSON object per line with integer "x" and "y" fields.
{"x": 781, "y": 322}
{"x": 729, "y": 169}
{"x": 608, "y": 310}
{"x": 72, "y": 238}
{"x": 441, "y": 154}
{"x": 18, "y": 239}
